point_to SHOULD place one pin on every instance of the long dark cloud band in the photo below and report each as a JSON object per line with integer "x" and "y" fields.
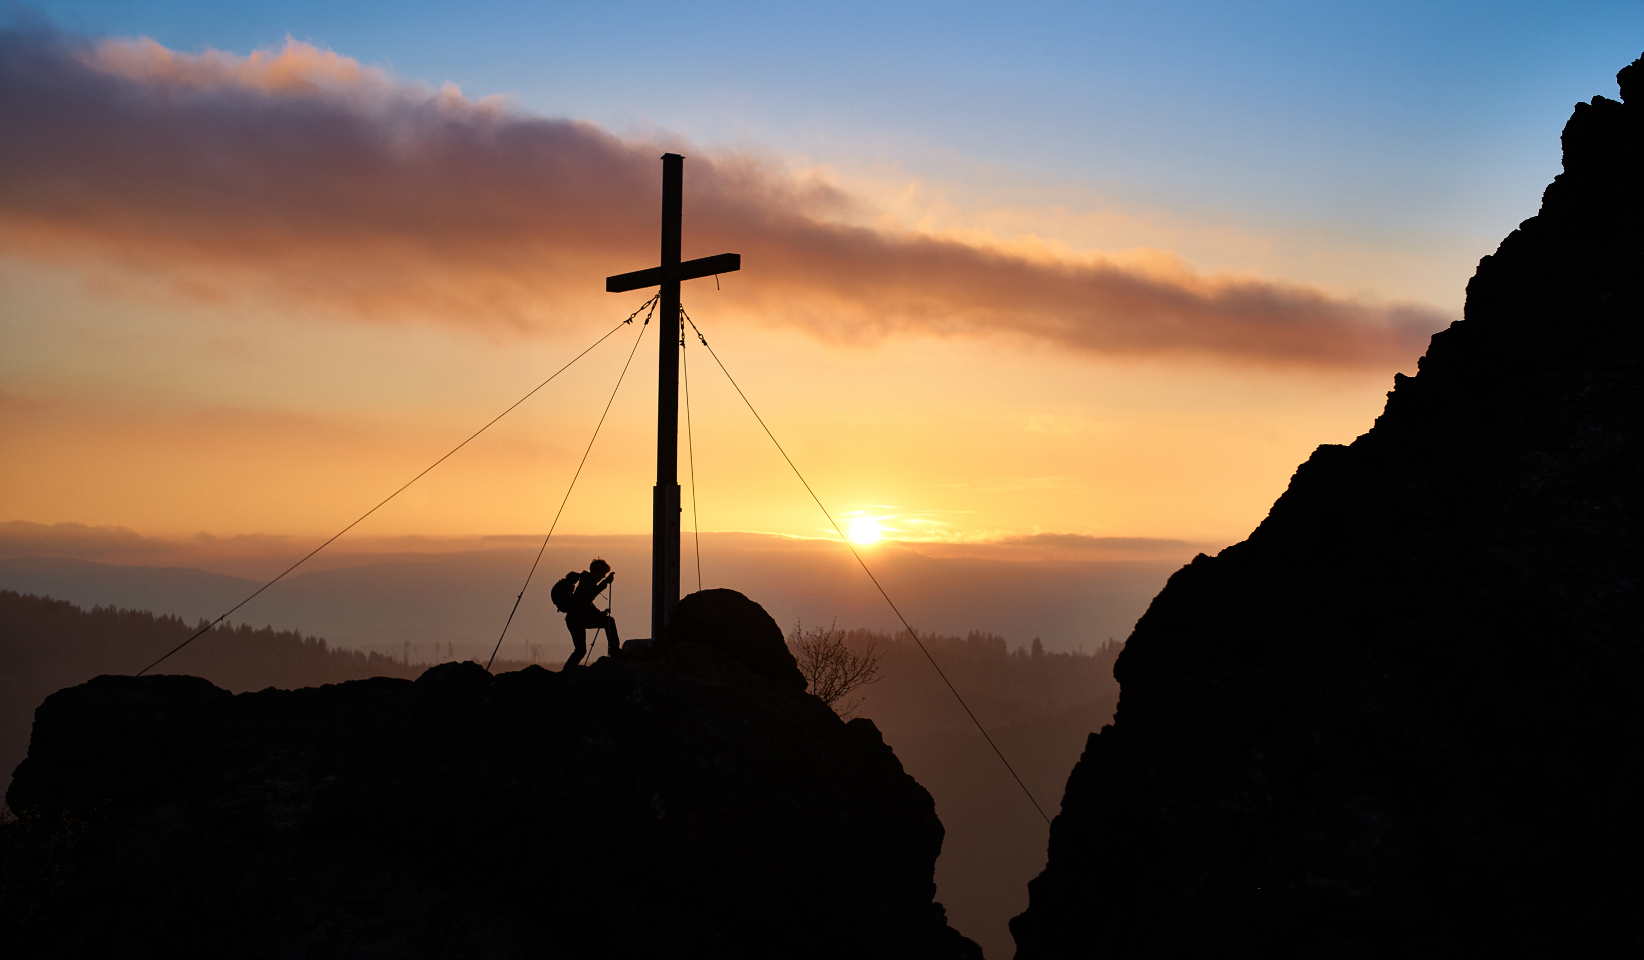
{"x": 300, "y": 174}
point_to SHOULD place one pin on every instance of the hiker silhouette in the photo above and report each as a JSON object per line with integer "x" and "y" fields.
{"x": 574, "y": 594}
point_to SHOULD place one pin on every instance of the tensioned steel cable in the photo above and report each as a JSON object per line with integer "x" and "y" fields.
{"x": 202, "y": 631}
{"x": 846, "y": 541}
{"x": 567, "y": 498}
{"x": 690, "y": 447}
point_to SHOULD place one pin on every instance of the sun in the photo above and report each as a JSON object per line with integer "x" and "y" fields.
{"x": 864, "y": 530}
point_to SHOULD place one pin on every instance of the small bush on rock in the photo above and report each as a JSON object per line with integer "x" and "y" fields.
{"x": 831, "y": 668}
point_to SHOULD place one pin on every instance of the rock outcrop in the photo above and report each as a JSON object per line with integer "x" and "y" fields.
{"x": 739, "y": 628}
{"x": 1406, "y": 716}
{"x": 669, "y": 805}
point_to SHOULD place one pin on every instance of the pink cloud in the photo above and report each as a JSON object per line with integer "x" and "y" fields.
{"x": 303, "y": 176}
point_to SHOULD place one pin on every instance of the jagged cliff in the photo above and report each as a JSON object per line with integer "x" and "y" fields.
{"x": 1406, "y": 716}
{"x": 688, "y": 801}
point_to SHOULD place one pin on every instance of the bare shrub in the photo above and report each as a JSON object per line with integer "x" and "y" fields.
{"x": 831, "y": 668}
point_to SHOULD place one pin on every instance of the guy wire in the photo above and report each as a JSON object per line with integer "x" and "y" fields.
{"x": 201, "y": 632}
{"x": 846, "y": 541}
{"x": 690, "y": 447}
{"x": 580, "y": 465}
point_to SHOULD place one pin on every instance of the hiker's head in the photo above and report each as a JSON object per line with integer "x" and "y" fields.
{"x": 599, "y": 567}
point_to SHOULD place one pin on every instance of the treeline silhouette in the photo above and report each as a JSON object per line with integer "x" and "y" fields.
{"x": 1037, "y": 706}
{"x": 1002, "y": 685}
{"x": 46, "y": 645}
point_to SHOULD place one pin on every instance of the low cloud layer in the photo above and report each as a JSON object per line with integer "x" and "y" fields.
{"x": 262, "y": 555}
{"x": 302, "y": 177}
{"x": 380, "y": 594}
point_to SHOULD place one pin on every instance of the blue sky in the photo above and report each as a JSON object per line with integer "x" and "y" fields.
{"x": 1393, "y": 122}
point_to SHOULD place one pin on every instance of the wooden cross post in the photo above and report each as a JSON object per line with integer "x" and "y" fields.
{"x": 665, "y": 506}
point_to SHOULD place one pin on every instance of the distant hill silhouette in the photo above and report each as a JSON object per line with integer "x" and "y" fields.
{"x": 180, "y": 591}
{"x": 1405, "y": 718}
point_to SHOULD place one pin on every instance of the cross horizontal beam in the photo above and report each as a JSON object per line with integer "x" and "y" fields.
{"x": 689, "y": 270}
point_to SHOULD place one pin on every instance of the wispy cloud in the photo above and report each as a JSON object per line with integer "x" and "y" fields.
{"x": 1079, "y": 541}
{"x": 303, "y": 176}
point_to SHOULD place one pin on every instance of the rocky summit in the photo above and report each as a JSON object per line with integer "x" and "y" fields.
{"x": 1406, "y": 716}
{"x": 674, "y": 803}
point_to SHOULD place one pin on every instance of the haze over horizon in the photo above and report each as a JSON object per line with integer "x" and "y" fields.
{"x": 1058, "y": 270}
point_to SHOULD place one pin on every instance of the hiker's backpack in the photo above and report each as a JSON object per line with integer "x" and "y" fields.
{"x": 564, "y": 591}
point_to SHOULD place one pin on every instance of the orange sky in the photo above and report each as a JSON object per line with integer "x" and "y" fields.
{"x": 256, "y": 294}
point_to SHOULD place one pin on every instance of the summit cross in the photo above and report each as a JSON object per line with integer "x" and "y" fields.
{"x": 665, "y": 505}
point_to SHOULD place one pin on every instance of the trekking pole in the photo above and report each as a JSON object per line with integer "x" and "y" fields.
{"x": 610, "y": 598}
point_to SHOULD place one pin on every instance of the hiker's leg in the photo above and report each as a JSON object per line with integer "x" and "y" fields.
{"x": 579, "y": 642}
{"x": 613, "y": 645}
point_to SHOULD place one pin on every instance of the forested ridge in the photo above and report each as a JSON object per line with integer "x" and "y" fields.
{"x": 46, "y": 645}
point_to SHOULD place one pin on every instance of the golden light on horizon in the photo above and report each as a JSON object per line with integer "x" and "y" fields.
{"x": 864, "y": 530}
{"x": 1086, "y": 425}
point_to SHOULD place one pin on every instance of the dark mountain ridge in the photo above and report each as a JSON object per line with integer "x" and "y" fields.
{"x": 1406, "y": 716}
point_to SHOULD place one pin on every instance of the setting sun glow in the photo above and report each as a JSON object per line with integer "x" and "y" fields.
{"x": 864, "y": 530}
